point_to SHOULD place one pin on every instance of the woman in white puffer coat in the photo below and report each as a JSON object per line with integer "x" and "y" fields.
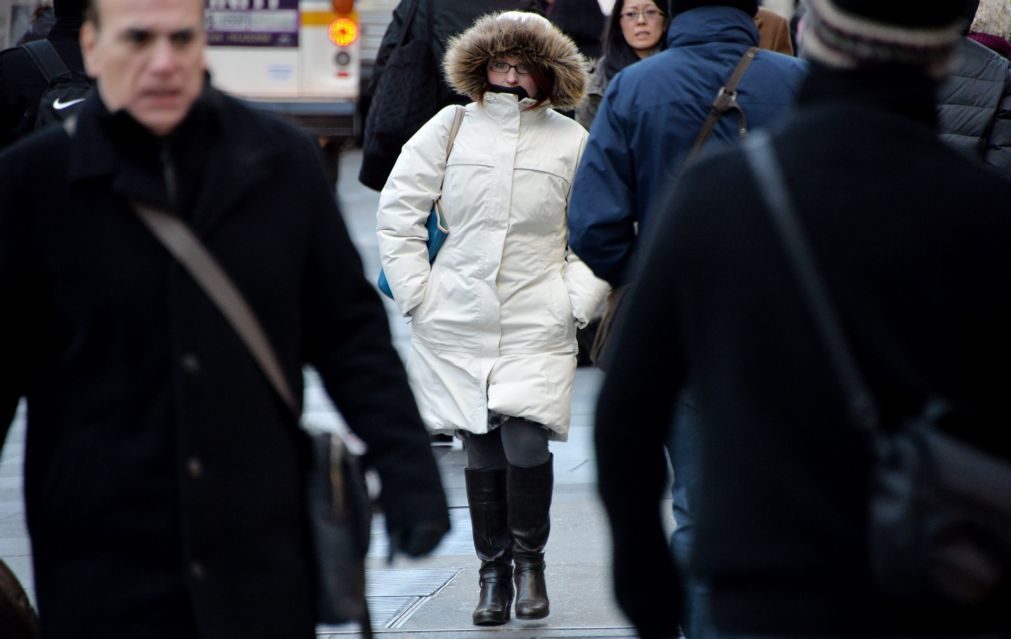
{"x": 493, "y": 348}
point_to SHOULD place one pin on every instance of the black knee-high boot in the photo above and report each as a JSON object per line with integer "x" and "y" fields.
{"x": 486, "y": 496}
{"x": 529, "y": 503}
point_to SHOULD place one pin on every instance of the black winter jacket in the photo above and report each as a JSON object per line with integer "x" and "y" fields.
{"x": 448, "y": 18}
{"x": 164, "y": 476}
{"x": 974, "y": 105}
{"x": 912, "y": 239}
{"x": 22, "y": 84}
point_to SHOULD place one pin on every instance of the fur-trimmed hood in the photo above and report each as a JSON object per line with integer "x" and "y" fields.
{"x": 525, "y": 35}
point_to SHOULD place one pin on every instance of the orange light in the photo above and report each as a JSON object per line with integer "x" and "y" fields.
{"x": 342, "y": 6}
{"x": 343, "y": 32}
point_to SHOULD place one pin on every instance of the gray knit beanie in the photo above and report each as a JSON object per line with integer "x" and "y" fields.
{"x": 853, "y": 33}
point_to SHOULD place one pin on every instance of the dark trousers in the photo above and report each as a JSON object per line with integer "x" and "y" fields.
{"x": 517, "y": 442}
{"x": 684, "y": 448}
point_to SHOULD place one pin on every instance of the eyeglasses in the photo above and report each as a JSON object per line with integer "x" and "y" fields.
{"x": 501, "y": 66}
{"x": 650, "y": 15}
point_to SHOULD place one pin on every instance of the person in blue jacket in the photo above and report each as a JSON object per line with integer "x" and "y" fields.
{"x": 652, "y": 113}
{"x": 648, "y": 121}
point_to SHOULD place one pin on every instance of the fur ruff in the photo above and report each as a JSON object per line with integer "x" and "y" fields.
{"x": 527, "y": 36}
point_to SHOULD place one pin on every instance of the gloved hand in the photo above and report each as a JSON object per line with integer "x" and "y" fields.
{"x": 418, "y": 539}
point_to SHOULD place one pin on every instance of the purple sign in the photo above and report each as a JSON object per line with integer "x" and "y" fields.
{"x": 252, "y": 23}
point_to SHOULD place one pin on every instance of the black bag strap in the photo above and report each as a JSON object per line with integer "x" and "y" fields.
{"x": 768, "y": 175}
{"x": 187, "y": 248}
{"x": 726, "y": 100}
{"x": 180, "y": 241}
{"x": 46, "y": 58}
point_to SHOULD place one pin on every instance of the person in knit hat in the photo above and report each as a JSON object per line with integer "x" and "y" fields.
{"x": 21, "y": 82}
{"x": 911, "y": 238}
{"x": 494, "y": 317}
{"x": 647, "y": 125}
{"x": 974, "y": 102}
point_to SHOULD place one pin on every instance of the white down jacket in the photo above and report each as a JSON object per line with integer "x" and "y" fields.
{"x": 494, "y": 317}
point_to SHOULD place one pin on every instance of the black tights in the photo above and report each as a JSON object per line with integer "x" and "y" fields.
{"x": 517, "y": 442}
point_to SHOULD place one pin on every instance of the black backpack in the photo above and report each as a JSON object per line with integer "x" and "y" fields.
{"x": 65, "y": 89}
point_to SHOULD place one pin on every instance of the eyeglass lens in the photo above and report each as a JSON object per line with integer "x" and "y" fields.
{"x": 650, "y": 15}
{"x": 500, "y": 66}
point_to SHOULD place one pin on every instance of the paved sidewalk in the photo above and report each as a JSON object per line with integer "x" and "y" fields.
{"x": 435, "y": 597}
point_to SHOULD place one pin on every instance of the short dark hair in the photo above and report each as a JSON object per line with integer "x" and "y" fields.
{"x": 68, "y": 8}
{"x": 617, "y": 52}
{"x": 91, "y": 11}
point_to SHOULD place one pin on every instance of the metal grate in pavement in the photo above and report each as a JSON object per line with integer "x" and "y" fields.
{"x": 411, "y": 582}
{"x": 394, "y": 595}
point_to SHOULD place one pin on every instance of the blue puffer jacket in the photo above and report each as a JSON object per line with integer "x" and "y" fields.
{"x": 649, "y": 119}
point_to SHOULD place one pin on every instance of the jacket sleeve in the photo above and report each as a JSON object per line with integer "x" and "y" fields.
{"x": 347, "y": 340}
{"x": 602, "y": 210}
{"x": 390, "y": 39}
{"x": 773, "y": 31}
{"x": 998, "y": 150}
{"x": 404, "y": 204}
{"x": 587, "y": 109}
{"x": 587, "y": 292}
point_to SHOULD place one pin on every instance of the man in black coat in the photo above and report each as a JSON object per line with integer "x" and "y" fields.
{"x": 912, "y": 239}
{"x": 21, "y": 82}
{"x": 164, "y": 477}
{"x": 435, "y": 22}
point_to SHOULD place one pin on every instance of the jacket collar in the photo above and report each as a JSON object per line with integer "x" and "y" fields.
{"x": 506, "y": 106}
{"x": 707, "y": 25}
{"x": 114, "y": 147}
{"x": 897, "y": 90}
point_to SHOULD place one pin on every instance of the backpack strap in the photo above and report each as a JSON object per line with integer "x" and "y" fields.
{"x": 726, "y": 100}
{"x": 46, "y": 58}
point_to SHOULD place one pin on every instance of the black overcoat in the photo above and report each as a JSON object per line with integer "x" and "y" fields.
{"x": 164, "y": 476}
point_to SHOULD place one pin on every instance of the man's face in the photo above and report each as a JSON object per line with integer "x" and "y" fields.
{"x": 148, "y": 57}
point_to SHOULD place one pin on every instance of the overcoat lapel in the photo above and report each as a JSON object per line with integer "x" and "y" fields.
{"x": 235, "y": 164}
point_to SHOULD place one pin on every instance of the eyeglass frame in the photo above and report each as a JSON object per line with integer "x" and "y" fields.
{"x": 647, "y": 15}
{"x": 526, "y": 67}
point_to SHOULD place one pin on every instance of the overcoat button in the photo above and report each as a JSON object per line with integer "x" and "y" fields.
{"x": 194, "y": 467}
{"x": 197, "y": 570}
{"x": 190, "y": 363}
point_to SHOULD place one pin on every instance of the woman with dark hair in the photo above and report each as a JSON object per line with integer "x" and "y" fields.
{"x": 493, "y": 344}
{"x": 635, "y": 30}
